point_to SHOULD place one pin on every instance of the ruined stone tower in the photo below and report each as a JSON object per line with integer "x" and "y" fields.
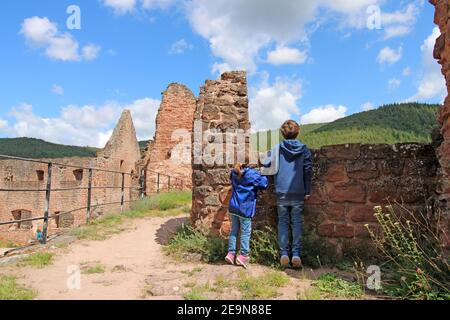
{"x": 222, "y": 106}
{"x": 169, "y": 152}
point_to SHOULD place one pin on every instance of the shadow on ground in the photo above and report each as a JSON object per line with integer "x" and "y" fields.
{"x": 167, "y": 229}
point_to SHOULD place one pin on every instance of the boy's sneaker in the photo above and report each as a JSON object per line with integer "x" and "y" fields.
{"x": 284, "y": 261}
{"x": 230, "y": 258}
{"x": 243, "y": 261}
{"x": 296, "y": 262}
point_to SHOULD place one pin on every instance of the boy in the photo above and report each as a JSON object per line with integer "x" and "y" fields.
{"x": 291, "y": 164}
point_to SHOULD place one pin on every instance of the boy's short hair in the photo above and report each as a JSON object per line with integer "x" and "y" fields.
{"x": 290, "y": 129}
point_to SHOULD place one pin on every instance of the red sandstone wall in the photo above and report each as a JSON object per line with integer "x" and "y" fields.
{"x": 222, "y": 105}
{"x": 350, "y": 180}
{"x": 442, "y": 54}
{"x": 168, "y": 154}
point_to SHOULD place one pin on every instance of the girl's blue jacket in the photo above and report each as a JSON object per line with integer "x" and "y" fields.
{"x": 245, "y": 189}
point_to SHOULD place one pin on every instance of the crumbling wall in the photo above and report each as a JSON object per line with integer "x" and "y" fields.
{"x": 222, "y": 106}
{"x": 120, "y": 154}
{"x": 442, "y": 54}
{"x": 169, "y": 151}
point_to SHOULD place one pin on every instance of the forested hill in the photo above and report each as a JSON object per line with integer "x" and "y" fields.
{"x": 36, "y": 148}
{"x": 393, "y": 123}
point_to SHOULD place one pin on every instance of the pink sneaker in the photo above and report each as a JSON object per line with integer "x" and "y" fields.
{"x": 230, "y": 258}
{"x": 243, "y": 261}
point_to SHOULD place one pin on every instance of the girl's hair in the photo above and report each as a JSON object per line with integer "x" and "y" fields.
{"x": 238, "y": 168}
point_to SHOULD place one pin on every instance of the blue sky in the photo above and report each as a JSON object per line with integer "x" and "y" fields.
{"x": 314, "y": 61}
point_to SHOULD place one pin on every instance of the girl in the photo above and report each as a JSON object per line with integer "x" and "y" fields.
{"x": 245, "y": 182}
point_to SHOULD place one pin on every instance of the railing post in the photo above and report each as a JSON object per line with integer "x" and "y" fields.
{"x": 168, "y": 184}
{"x": 89, "y": 196}
{"x": 157, "y": 184}
{"x": 122, "y": 197}
{"x": 142, "y": 184}
{"x": 47, "y": 203}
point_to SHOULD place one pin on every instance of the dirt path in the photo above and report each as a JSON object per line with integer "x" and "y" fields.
{"x": 134, "y": 268}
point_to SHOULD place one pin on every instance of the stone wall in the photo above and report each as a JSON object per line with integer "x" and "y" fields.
{"x": 119, "y": 154}
{"x": 442, "y": 54}
{"x": 222, "y": 106}
{"x": 349, "y": 180}
{"x": 169, "y": 151}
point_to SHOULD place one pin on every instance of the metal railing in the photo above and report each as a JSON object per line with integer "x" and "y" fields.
{"x": 172, "y": 183}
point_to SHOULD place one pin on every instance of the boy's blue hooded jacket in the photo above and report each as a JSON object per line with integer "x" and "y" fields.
{"x": 292, "y": 167}
{"x": 245, "y": 189}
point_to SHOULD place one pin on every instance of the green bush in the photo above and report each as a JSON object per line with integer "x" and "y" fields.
{"x": 416, "y": 266}
{"x": 188, "y": 240}
{"x": 264, "y": 247}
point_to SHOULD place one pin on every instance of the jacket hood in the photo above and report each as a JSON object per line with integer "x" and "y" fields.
{"x": 292, "y": 149}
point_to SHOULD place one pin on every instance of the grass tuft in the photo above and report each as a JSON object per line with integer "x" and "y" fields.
{"x": 11, "y": 290}
{"x": 334, "y": 287}
{"x": 37, "y": 260}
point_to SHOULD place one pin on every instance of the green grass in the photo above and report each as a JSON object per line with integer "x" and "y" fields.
{"x": 162, "y": 205}
{"x": 263, "y": 287}
{"x": 309, "y": 294}
{"x": 198, "y": 292}
{"x": 332, "y": 286}
{"x": 37, "y": 260}
{"x": 250, "y": 288}
{"x": 11, "y": 290}
{"x": 98, "y": 268}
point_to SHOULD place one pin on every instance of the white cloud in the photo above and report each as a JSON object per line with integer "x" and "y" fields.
{"x": 85, "y": 125}
{"x": 393, "y": 83}
{"x": 399, "y": 23}
{"x": 406, "y": 72}
{"x": 273, "y": 103}
{"x": 432, "y": 82}
{"x": 42, "y": 33}
{"x": 180, "y": 47}
{"x": 367, "y": 106}
{"x": 90, "y": 52}
{"x": 285, "y": 55}
{"x": 57, "y": 90}
{"x": 120, "y": 6}
{"x": 324, "y": 114}
{"x": 238, "y": 32}
{"x": 387, "y": 55}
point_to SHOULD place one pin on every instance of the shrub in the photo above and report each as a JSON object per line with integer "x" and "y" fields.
{"x": 188, "y": 240}
{"x": 264, "y": 247}
{"x": 416, "y": 264}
